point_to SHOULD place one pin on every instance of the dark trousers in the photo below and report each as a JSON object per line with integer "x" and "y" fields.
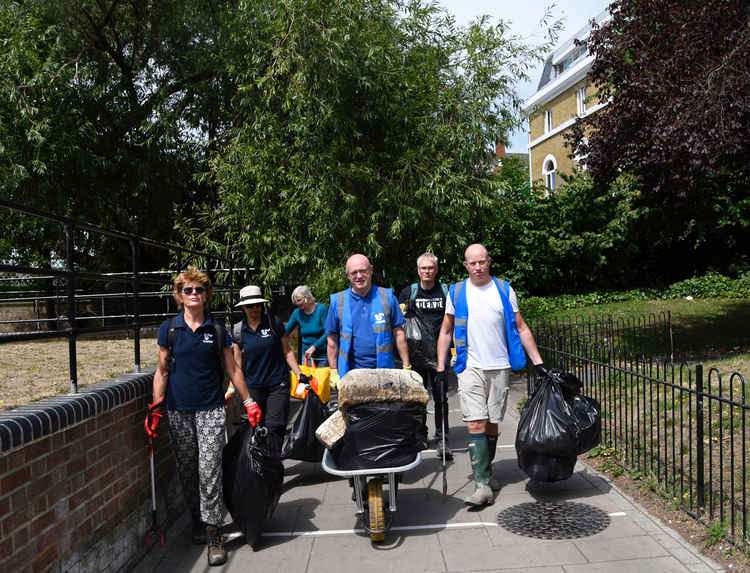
{"x": 440, "y": 396}
{"x": 274, "y": 405}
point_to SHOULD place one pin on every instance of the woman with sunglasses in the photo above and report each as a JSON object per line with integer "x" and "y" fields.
{"x": 189, "y": 382}
{"x": 310, "y": 318}
{"x": 263, "y": 350}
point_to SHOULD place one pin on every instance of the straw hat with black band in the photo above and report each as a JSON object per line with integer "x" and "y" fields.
{"x": 250, "y": 294}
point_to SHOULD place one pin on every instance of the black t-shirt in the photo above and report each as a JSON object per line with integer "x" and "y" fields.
{"x": 429, "y": 304}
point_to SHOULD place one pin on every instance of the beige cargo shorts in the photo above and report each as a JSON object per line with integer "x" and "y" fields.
{"x": 484, "y": 394}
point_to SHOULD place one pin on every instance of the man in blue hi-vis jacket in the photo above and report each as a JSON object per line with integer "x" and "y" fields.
{"x": 363, "y": 323}
{"x": 481, "y": 312}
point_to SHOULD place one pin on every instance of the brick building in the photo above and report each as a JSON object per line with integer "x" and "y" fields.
{"x": 563, "y": 96}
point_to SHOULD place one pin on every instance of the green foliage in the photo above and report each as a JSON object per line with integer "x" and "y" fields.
{"x": 106, "y": 110}
{"x": 522, "y": 404}
{"x": 716, "y": 531}
{"x": 710, "y": 285}
{"x": 673, "y": 75}
{"x": 568, "y": 241}
{"x": 360, "y": 126}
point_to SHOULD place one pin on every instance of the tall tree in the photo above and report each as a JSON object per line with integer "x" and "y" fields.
{"x": 676, "y": 77}
{"x": 107, "y": 109}
{"x": 362, "y": 126}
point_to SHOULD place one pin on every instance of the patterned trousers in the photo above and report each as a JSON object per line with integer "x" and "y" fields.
{"x": 198, "y": 441}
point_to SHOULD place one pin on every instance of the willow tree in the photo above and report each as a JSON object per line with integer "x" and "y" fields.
{"x": 360, "y": 126}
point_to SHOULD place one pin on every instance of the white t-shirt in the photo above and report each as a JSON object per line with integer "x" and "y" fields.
{"x": 486, "y": 344}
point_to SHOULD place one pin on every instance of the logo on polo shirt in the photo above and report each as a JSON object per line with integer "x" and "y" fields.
{"x": 379, "y": 318}
{"x": 265, "y": 332}
{"x": 208, "y": 338}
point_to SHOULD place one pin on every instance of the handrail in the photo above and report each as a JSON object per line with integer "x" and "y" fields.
{"x": 137, "y": 308}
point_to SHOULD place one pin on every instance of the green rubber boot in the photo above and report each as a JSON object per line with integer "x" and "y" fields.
{"x": 492, "y": 447}
{"x": 480, "y": 463}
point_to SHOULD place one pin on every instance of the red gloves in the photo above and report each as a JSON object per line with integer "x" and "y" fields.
{"x": 253, "y": 413}
{"x": 153, "y": 417}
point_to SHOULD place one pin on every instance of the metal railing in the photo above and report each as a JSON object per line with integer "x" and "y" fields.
{"x": 143, "y": 299}
{"x": 680, "y": 429}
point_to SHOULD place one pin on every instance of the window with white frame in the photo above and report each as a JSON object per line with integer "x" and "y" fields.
{"x": 547, "y": 120}
{"x": 581, "y": 100}
{"x": 580, "y": 158}
{"x": 549, "y": 172}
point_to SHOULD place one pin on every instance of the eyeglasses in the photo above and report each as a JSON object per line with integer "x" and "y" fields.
{"x": 189, "y": 290}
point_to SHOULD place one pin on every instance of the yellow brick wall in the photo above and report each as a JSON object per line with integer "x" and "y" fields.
{"x": 564, "y": 107}
{"x": 555, "y": 146}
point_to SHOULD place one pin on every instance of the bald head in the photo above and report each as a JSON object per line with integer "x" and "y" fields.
{"x": 359, "y": 273}
{"x": 477, "y": 262}
{"x": 357, "y": 260}
{"x": 476, "y": 250}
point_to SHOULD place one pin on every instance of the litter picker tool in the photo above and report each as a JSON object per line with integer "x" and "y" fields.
{"x": 444, "y": 407}
{"x": 154, "y": 531}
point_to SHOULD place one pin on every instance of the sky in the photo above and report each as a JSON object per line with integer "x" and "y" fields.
{"x": 524, "y": 17}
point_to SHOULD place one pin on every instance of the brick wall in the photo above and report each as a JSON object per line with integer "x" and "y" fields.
{"x": 75, "y": 482}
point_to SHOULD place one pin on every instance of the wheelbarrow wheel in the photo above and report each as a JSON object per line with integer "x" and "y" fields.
{"x": 376, "y": 512}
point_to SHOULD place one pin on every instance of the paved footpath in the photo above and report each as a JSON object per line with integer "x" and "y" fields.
{"x": 314, "y": 529}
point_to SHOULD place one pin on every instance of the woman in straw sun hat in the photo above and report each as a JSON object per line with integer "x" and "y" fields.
{"x": 263, "y": 351}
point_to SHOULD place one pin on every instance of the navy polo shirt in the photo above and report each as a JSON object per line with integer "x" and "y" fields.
{"x": 363, "y": 353}
{"x": 195, "y": 379}
{"x": 263, "y": 360}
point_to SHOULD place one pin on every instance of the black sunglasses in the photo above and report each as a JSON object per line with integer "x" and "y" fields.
{"x": 189, "y": 290}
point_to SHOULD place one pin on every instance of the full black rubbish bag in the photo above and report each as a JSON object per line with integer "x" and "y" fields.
{"x": 252, "y": 481}
{"x": 300, "y": 442}
{"x": 382, "y": 435}
{"x": 547, "y": 437}
{"x": 588, "y": 417}
{"x": 569, "y": 383}
{"x": 556, "y": 425}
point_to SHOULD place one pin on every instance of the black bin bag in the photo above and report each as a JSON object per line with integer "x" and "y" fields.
{"x": 547, "y": 437}
{"x": 569, "y": 383}
{"x": 382, "y": 435}
{"x": 300, "y": 442}
{"x": 252, "y": 481}
{"x": 588, "y": 417}
{"x": 421, "y": 341}
{"x": 587, "y": 412}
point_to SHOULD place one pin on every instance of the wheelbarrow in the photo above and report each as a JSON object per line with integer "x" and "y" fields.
{"x": 375, "y": 516}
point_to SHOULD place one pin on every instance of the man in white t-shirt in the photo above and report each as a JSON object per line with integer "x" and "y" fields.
{"x": 490, "y": 336}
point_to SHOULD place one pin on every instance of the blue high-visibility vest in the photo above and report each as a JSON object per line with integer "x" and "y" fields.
{"x": 382, "y": 331}
{"x": 516, "y": 354}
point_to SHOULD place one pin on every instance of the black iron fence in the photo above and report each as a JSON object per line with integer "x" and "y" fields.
{"x": 68, "y": 301}
{"x": 679, "y": 429}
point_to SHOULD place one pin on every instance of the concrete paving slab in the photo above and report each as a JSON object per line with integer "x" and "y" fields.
{"x": 472, "y": 550}
{"x": 356, "y": 554}
{"x": 315, "y": 528}
{"x": 661, "y": 565}
{"x": 616, "y": 549}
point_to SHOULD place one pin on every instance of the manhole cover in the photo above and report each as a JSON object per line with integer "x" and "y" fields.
{"x": 563, "y": 520}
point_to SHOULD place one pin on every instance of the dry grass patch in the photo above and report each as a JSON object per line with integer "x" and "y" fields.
{"x": 39, "y": 369}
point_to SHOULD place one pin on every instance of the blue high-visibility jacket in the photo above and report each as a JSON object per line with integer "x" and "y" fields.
{"x": 516, "y": 355}
{"x": 381, "y": 328}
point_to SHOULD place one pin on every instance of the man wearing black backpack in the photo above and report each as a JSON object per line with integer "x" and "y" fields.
{"x": 425, "y": 300}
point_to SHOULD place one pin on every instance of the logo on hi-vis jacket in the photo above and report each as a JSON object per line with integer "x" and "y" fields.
{"x": 379, "y": 318}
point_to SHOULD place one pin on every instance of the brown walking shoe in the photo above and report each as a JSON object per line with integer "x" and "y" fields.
{"x": 216, "y": 553}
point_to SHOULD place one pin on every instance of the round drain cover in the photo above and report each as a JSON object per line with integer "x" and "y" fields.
{"x": 560, "y": 520}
